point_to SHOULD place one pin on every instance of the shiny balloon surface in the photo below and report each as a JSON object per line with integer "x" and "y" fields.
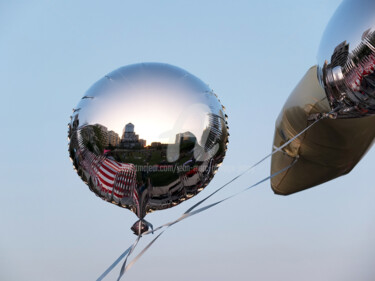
{"x": 347, "y": 59}
{"x": 147, "y": 137}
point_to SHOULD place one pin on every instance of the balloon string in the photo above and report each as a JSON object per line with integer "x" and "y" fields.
{"x": 190, "y": 211}
{"x": 123, "y": 269}
{"x": 247, "y": 170}
{"x": 186, "y": 215}
{"x": 254, "y": 165}
{"x": 125, "y": 254}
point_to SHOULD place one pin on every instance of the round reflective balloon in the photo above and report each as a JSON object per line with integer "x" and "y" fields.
{"x": 347, "y": 59}
{"x": 147, "y": 137}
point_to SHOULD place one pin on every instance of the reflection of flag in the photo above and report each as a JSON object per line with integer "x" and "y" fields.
{"x": 365, "y": 68}
{"x": 125, "y": 182}
{"x": 113, "y": 178}
{"x": 116, "y": 178}
{"x": 106, "y": 174}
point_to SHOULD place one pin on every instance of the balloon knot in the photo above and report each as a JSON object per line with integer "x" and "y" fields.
{"x": 139, "y": 227}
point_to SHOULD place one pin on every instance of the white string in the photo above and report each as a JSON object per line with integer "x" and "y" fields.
{"x": 190, "y": 214}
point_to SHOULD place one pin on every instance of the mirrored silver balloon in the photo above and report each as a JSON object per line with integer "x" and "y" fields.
{"x": 347, "y": 59}
{"x": 147, "y": 137}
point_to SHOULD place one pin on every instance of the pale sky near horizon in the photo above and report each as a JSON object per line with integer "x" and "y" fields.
{"x": 252, "y": 53}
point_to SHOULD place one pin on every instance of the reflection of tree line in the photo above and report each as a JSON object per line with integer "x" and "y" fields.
{"x": 186, "y": 176}
{"x": 94, "y": 141}
{"x": 165, "y": 172}
{"x": 171, "y": 178}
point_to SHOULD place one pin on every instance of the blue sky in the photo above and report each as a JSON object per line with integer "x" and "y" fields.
{"x": 252, "y": 53}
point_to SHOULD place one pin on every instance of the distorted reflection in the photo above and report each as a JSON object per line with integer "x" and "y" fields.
{"x": 347, "y": 59}
{"x": 149, "y": 137}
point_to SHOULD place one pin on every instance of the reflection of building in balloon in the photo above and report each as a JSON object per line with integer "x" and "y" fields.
{"x": 130, "y": 139}
{"x": 113, "y": 139}
{"x": 340, "y": 55}
{"x": 214, "y": 131}
{"x": 142, "y": 142}
{"x": 185, "y": 137}
{"x": 105, "y": 137}
{"x": 362, "y": 64}
{"x": 350, "y": 69}
{"x": 368, "y": 39}
{"x": 129, "y": 128}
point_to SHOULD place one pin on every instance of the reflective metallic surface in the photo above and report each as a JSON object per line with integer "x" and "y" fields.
{"x": 329, "y": 149}
{"x": 339, "y": 90}
{"x": 147, "y": 137}
{"x": 347, "y": 59}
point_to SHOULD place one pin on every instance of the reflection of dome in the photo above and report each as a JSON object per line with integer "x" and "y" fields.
{"x": 128, "y": 134}
{"x": 129, "y": 139}
{"x": 129, "y": 128}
